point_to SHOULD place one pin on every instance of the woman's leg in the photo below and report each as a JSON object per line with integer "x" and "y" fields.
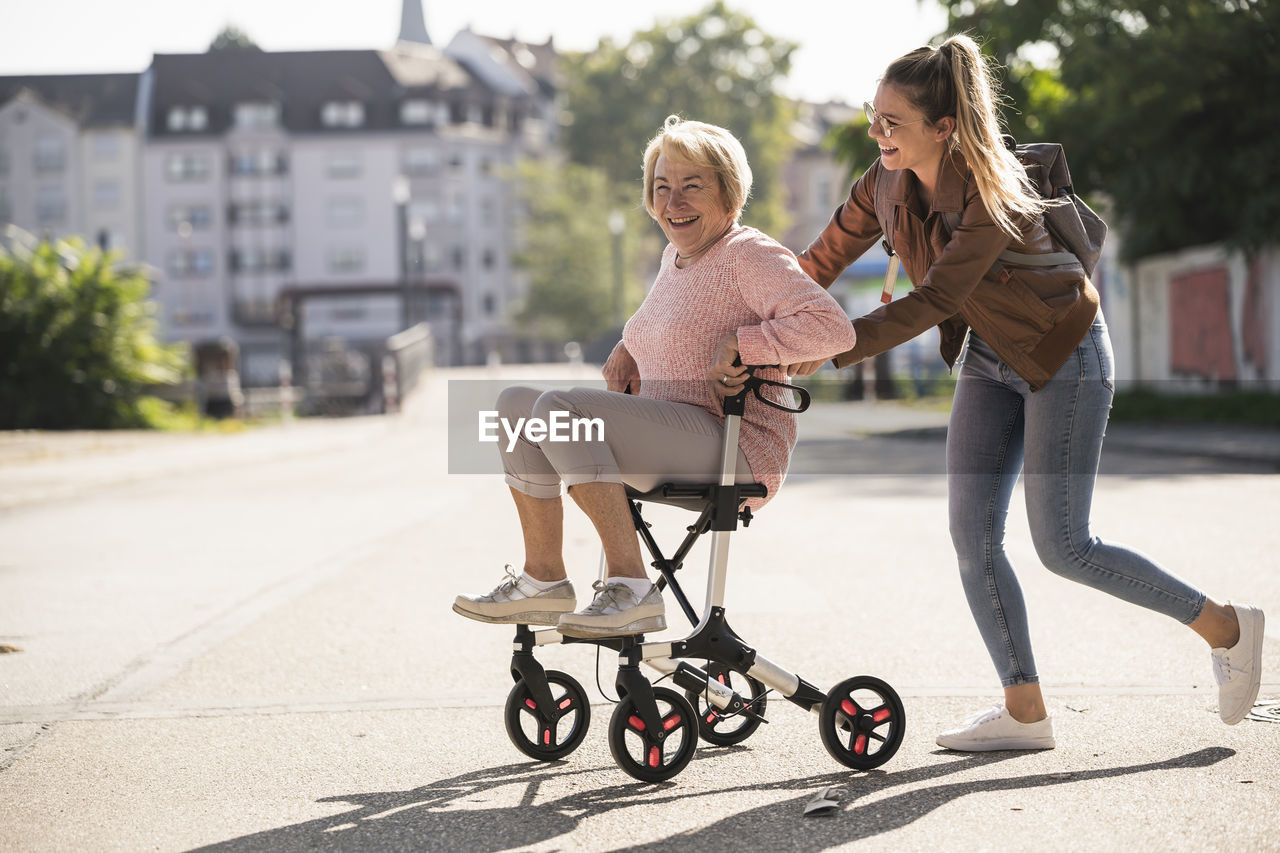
{"x": 984, "y": 457}
{"x": 541, "y": 593}
{"x": 1066, "y": 421}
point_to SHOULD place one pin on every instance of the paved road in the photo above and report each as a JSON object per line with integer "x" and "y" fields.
{"x": 244, "y": 642}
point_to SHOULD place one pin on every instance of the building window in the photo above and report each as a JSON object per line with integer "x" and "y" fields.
{"x": 344, "y": 164}
{"x": 259, "y": 260}
{"x": 187, "y": 119}
{"x": 256, "y": 116}
{"x": 106, "y": 195}
{"x": 490, "y": 304}
{"x": 190, "y": 217}
{"x": 6, "y": 209}
{"x": 257, "y": 212}
{"x": 188, "y": 167}
{"x": 4, "y": 156}
{"x": 51, "y": 153}
{"x": 488, "y": 258}
{"x": 105, "y": 147}
{"x": 455, "y": 207}
{"x": 459, "y": 258}
{"x": 342, "y": 114}
{"x": 191, "y": 263}
{"x": 424, "y": 210}
{"x": 346, "y": 260}
{"x": 421, "y": 161}
{"x": 347, "y": 212}
{"x": 417, "y": 112}
{"x": 51, "y": 206}
{"x": 261, "y": 162}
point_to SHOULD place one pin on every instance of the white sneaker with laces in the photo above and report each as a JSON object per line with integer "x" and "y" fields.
{"x": 616, "y": 611}
{"x": 993, "y": 729}
{"x": 516, "y": 603}
{"x": 1238, "y": 670}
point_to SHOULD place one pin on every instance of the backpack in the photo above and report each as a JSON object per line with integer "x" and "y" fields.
{"x": 1072, "y": 222}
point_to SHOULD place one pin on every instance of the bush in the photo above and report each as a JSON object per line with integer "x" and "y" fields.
{"x": 77, "y": 340}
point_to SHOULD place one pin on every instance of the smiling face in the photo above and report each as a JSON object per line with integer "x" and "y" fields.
{"x": 689, "y": 205}
{"x": 916, "y": 145}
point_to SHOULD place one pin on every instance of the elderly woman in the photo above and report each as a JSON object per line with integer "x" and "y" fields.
{"x": 723, "y": 290}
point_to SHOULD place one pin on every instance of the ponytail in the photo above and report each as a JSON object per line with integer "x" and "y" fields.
{"x": 955, "y": 80}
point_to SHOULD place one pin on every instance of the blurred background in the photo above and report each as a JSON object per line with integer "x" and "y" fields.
{"x": 237, "y": 209}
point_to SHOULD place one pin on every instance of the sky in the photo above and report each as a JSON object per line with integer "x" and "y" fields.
{"x": 843, "y": 46}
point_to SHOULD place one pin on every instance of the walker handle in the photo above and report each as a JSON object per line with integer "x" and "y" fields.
{"x": 736, "y": 404}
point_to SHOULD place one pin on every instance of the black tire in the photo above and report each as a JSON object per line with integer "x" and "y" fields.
{"x": 542, "y": 738}
{"x": 645, "y": 756}
{"x": 713, "y": 726}
{"x": 862, "y": 722}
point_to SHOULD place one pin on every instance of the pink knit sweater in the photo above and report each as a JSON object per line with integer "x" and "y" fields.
{"x": 750, "y": 284}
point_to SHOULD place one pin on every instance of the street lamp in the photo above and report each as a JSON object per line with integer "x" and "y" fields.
{"x": 400, "y": 194}
{"x": 617, "y": 225}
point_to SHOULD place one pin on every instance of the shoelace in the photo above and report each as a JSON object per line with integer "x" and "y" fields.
{"x": 606, "y": 594}
{"x": 1222, "y": 669}
{"x": 984, "y": 716}
{"x": 508, "y": 583}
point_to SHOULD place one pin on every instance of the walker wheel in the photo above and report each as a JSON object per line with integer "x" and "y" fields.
{"x": 551, "y": 733}
{"x": 862, "y": 722}
{"x": 723, "y": 728}
{"x": 653, "y": 756}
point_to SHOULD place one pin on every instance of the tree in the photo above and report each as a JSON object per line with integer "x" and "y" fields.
{"x": 568, "y": 250}
{"x": 77, "y": 343}
{"x": 233, "y": 38}
{"x": 715, "y": 66}
{"x": 1169, "y": 108}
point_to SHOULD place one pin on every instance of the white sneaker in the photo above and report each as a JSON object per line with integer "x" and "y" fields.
{"x": 616, "y": 611}
{"x": 994, "y": 729}
{"x": 514, "y": 603}
{"x": 1238, "y": 670}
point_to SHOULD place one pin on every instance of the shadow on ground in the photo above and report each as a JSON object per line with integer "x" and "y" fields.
{"x": 438, "y": 816}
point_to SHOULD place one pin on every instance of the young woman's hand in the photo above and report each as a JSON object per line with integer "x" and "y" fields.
{"x": 804, "y": 368}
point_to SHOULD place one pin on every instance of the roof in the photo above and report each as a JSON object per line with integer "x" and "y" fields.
{"x": 302, "y": 83}
{"x": 92, "y": 100}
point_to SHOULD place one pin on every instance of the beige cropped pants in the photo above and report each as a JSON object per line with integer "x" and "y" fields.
{"x": 639, "y": 442}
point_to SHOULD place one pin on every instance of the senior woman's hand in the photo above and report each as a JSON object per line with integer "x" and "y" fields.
{"x": 724, "y": 378}
{"x": 621, "y": 371}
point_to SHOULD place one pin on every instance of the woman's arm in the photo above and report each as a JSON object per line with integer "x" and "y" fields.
{"x": 800, "y": 321}
{"x": 852, "y": 230}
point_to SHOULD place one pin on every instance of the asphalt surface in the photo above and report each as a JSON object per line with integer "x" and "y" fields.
{"x": 244, "y": 642}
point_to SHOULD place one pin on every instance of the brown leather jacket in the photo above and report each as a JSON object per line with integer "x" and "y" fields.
{"x": 1033, "y": 320}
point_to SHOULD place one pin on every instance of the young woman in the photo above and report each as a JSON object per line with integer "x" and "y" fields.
{"x": 1036, "y": 382}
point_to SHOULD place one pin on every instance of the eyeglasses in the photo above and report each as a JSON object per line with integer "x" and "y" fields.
{"x": 886, "y": 127}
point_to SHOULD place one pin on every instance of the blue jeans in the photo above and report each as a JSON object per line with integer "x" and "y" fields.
{"x": 999, "y": 427}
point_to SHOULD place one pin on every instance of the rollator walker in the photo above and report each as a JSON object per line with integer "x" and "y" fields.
{"x": 654, "y": 729}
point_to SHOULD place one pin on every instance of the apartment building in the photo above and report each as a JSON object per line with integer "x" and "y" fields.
{"x": 282, "y": 199}
{"x": 69, "y": 158}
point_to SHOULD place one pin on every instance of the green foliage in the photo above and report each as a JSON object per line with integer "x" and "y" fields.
{"x": 233, "y": 38}
{"x": 853, "y": 146}
{"x": 1168, "y": 108}
{"x": 568, "y": 249}
{"x": 77, "y": 343}
{"x": 715, "y": 66}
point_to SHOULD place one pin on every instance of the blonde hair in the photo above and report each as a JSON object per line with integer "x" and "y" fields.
{"x": 956, "y": 80}
{"x": 702, "y": 145}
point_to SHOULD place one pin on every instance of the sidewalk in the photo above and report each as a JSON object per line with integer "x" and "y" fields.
{"x": 115, "y": 456}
